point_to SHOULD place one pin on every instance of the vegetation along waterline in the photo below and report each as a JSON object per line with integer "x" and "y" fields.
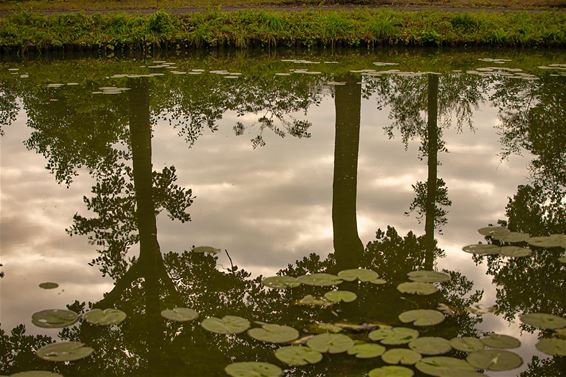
{"x": 251, "y": 28}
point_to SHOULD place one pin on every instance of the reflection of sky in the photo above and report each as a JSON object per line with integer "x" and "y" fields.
{"x": 268, "y": 206}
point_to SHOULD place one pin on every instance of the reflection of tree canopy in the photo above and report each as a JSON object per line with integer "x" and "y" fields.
{"x": 8, "y": 104}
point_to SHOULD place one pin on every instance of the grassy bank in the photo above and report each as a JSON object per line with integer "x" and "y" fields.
{"x": 273, "y": 28}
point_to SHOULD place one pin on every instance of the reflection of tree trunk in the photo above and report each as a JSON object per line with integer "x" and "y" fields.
{"x": 347, "y": 244}
{"x": 432, "y": 154}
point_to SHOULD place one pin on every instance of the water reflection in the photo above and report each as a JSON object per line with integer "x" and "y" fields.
{"x": 111, "y": 136}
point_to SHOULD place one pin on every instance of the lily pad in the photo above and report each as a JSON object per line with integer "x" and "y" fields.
{"x": 274, "y": 333}
{"x": 281, "y": 282}
{"x": 496, "y": 360}
{"x": 391, "y": 371}
{"x": 48, "y": 285}
{"x": 401, "y": 356}
{"x": 417, "y": 288}
{"x": 422, "y": 317}
{"x": 320, "y": 280}
{"x": 544, "y": 321}
{"x": 228, "y": 324}
{"x": 467, "y": 344}
{"x": 253, "y": 369}
{"x": 500, "y": 341}
{"x": 442, "y": 366}
{"x": 552, "y": 346}
{"x": 548, "y": 242}
{"x": 425, "y": 276}
{"x": 378, "y": 281}
{"x": 206, "y": 250}
{"x": 36, "y": 373}
{"x": 179, "y": 314}
{"x": 366, "y": 350}
{"x": 482, "y": 249}
{"x": 490, "y": 230}
{"x": 298, "y": 355}
{"x": 394, "y": 335}
{"x": 104, "y": 317}
{"x": 511, "y": 237}
{"x": 310, "y": 300}
{"x": 430, "y": 345}
{"x": 360, "y": 274}
{"x": 64, "y": 351}
{"x": 562, "y": 259}
{"x": 340, "y": 296}
{"x": 515, "y": 251}
{"x": 331, "y": 343}
{"x": 54, "y": 318}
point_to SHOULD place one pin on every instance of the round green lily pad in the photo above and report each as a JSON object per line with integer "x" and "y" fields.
{"x": 36, "y": 373}
{"x": 310, "y": 300}
{"x": 515, "y": 251}
{"x": 366, "y": 350}
{"x": 430, "y": 345}
{"x": 179, "y": 314}
{"x": 467, "y": 344}
{"x": 331, "y": 343}
{"x": 206, "y": 250}
{"x": 441, "y": 366}
{"x": 378, "y": 281}
{"x": 391, "y": 371}
{"x": 104, "y": 317}
{"x": 48, "y": 285}
{"x": 544, "y": 321}
{"x": 64, "y": 351}
{"x": 417, "y": 288}
{"x": 422, "y": 317}
{"x": 393, "y": 335}
{"x": 401, "y": 356}
{"x": 360, "y": 274}
{"x": 274, "y": 333}
{"x": 510, "y": 237}
{"x": 228, "y": 324}
{"x": 425, "y": 276}
{"x": 500, "y": 341}
{"x": 496, "y": 360}
{"x": 281, "y": 282}
{"x": 548, "y": 242}
{"x": 339, "y": 296}
{"x": 54, "y": 318}
{"x": 253, "y": 369}
{"x": 552, "y": 346}
{"x": 320, "y": 280}
{"x": 298, "y": 355}
{"x": 489, "y": 230}
{"x": 482, "y": 249}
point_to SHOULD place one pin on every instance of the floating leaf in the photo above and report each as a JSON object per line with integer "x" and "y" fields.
{"x": 104, "y": 317}
{"x": 562, "y": 259}
{"x": 500, "y": 341}
{"x": 401, "y": 356}
{"x": 320, "y": 280}
{"x": 320, "y": 327}
{"x": 422, "y": 317}
{"x": 496, "y": 360}
{"x": 274, "y": 333}
{"x": 378, "y": 281}
{"x": 310, "y": 300}
{"x": 281, "y": 282}
{"x": 54, "y": 318}
{"x": 467, "y": 344}
{"x": 515, "y": 251}
{"x": 253, "y": 369}
{"x": 228, "y": 324}
{"x": 179, "y": 314}
{"x": 331, "y": 343}
{"x": 36, "y": 373}
{"x": 480, "y": 309}
{"x": 425, "y": 276}
{"x": 206, "y": 250}
{"x": 394, "y": 335}
{"x": 490, "y": 230}
{"x": 417, "y": 288}
{"x": 561, "y": 333}
{"x": 391, "y": 371}
{"x": 442, "y": 366}
{"x": 511, "y": 237}
{"x": 430, "y": 345}
{"x": 543, "y": 320}
{"x": 64, "y": 351}
{"x": 339, "y": 296}
{"x": 482, "y": 249}
{"x": 548, "y": 242}
{"x": 298, "y": 355}
{"x": 48, "y": 285}
{"x": 552, "y": 346}
{"x": 366, "y": 350}
{"x": 360, "y": 274}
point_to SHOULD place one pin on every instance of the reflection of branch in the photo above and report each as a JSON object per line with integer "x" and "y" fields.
{"x": 230, "y": 259}
{"x": 121, "y": 285}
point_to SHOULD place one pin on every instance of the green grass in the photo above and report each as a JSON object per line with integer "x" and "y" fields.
{"x": 242, "y": 29}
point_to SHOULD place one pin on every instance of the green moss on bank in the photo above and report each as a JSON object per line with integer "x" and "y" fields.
{"x": 275, "y": 28}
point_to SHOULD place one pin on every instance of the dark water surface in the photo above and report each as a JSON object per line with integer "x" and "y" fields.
{"x": 335, "y": 166}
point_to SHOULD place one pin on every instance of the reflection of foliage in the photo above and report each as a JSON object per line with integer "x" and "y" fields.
{"x": 8, "y": 105}
{"x": 553, "y": 367}
{"x": 17, "y": 350}
{"x": 419, "y": 203}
